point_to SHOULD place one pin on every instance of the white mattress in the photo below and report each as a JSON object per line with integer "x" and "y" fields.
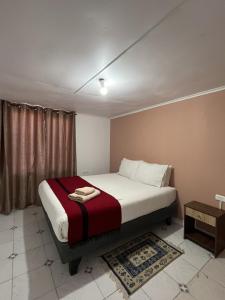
{"x": 136, "y": 199}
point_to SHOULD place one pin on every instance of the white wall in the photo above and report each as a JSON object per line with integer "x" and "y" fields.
{"x": 92, "y": 144}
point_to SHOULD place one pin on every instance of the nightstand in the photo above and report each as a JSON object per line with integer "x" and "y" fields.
{"x": 205, "y": 225}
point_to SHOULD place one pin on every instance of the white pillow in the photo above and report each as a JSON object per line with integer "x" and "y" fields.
{"x": 128, "y": 168}
{"x": 166, "y": 177}
{"x": 151, "y": 174}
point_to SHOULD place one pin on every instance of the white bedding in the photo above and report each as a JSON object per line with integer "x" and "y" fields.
{"x": 136, "y": 199}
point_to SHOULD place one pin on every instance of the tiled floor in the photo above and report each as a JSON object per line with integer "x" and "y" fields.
{"x": 30, "y": 267}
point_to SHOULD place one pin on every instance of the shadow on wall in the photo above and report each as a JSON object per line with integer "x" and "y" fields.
{"x": 173, "y": 184}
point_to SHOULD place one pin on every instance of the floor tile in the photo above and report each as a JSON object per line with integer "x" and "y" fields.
{"x": 23, "y": 217}
{"x": 46, "y": 235}
{"x": 194, "y": 254}
{"x": 41, "y": 215}
{"x": 6, "y": 290}
{"x": 6, "y": 221}
{"x": 202, "y": 287}
{"x": 29, "y": 260}
{"x": 138, "y": 295}
{"x": 173, "y": 233}
{"x": 47, "y": 238}
{"x": 215, "y": 270}
{"x": 117, "y": 295}
{"x": 98, "y": 284}
{"x": 42, "y": 223}
{"x": 181, "y": 270}
{"x": 5, "y": 269}
{"x": 221, "y": 257}
{"x": 6, "y": 236}
{"x": 6, "y": 250}
{"x": 60, "y": 273}
{"x": 81, "y": 287}
{"x": 26, "y": 231}
{"x": 27, "y": 243}
{"x": 49, "y": 296}
{"x": 103, "y": 278}
{"x": 176, "y": 238}
{"x": 162, "y": 287}
{"x": 185, "y": 296}
{"x": 32, "y": 285}
{"x": 164, "y": 231}
{"x": 34, "y": 209}
{"x": 51, "y": 251}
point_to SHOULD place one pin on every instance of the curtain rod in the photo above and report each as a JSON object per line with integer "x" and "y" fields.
{"x": 38, "y": 106}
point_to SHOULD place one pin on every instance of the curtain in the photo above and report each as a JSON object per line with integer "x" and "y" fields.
{"x": 36, "y": 143}
{"x": 60, "y": 130}
{"x": 1, "y": 149}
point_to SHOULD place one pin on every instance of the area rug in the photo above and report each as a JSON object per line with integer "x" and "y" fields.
{"x": 138, "y": 260}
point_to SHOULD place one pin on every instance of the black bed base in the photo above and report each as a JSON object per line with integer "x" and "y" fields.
{"x": 73, "y": 255}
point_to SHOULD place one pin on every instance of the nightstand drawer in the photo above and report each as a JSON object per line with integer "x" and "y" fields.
{"x": 201, "y": 216}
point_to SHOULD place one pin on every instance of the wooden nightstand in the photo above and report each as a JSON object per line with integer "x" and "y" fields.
{"x": 205, "y": 225}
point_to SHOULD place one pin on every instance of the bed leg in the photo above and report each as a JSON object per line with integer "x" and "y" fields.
{"x": 73, "y": 266}
{"x": 168, "y": 221}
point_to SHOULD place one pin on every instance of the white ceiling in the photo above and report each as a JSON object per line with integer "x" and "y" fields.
{"x": 150, "y": 51}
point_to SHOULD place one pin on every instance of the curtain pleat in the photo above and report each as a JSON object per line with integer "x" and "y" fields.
{"x": 36, "y": 143}
{"x": 1, "y": 150}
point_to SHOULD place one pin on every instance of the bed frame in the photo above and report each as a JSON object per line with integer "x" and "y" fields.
{"x": 73, "y": 255}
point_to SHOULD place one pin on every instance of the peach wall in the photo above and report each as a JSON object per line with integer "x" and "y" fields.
{"x": 190, "y": 135}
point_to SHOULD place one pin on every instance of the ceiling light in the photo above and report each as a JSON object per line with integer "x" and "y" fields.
{"x": 103, "y": 88}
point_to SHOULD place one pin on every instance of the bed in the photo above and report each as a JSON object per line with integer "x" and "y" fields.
{"x": 141, "y": 205}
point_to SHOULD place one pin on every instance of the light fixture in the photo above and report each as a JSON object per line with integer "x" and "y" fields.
{"x": 103, "y": 88}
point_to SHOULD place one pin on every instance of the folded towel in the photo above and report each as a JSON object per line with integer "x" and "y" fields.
{"x": 83, "y": 199}
{"x": 84, "y": 191}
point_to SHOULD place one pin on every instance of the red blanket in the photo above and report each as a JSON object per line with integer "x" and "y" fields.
{"x": 96, "y": 216}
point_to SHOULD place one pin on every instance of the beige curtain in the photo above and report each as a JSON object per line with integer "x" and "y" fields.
{"x": 60, "y": 130}
{"x": 36, "y": 143}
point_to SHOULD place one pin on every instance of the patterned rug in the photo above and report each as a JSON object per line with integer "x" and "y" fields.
{"x": 138, "y": 260}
